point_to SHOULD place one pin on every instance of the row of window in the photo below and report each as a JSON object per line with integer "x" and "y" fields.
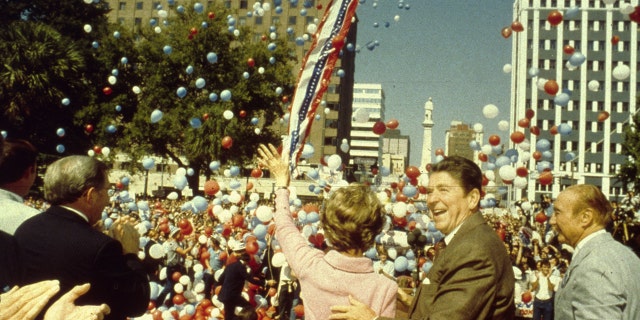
{"x": 568, "y": 3}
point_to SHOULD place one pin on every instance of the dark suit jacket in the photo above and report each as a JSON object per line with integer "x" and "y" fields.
{"x": 471, "y": 278}
{"x": 59, "y": 244}
{"x": 10, "y": 266}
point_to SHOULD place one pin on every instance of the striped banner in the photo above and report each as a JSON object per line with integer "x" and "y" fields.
{"x": 315, "y": 75}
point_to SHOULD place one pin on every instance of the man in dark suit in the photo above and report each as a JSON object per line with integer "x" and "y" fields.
{"x": 233, "y": 280}
{"x": 471, "y": 277}
{"x": 62, "y": 243}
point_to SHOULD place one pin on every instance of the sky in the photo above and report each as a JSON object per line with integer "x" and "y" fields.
{"x": 449, "y": 50}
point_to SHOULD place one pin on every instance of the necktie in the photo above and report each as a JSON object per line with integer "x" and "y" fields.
{"x": 439, "y": 247}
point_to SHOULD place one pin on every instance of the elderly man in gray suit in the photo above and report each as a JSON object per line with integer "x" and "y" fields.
{"x": 603, "y": 279}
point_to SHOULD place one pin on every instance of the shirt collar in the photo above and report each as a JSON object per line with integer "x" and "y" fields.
{"x": 350, "y": 264}
{"x": 449, "y": 237}
{"x": 78, "y": 213}
{"x": 11, "y": 195}
{"x": 586, "y": 239}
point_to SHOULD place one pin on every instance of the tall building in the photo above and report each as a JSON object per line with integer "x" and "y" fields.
{"x": 396, "y": 150}
{"x": 289, "y": 19}
{"x": 368, "y": 108}
{"x": 457, "y": 139}
{"x": 586, "y": 54}
{"x": 427, "y": 142}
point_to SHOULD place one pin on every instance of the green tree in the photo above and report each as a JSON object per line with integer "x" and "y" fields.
{"x": 629, "y": 171}
{"x": 180, "y": 56}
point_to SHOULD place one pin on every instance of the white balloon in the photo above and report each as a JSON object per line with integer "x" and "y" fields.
{"x": 507, "y": 172}
{"x": 266, "y": 6}
{"x": 521, "y": 183}
{"x": 162, "y": 13}
{"x": 236, "y": 32}
{"x": 202, "y": 239}
{"x": 87, "y": 28}
{"x": 181, "y": 172}
{"x": 157, "y": 29}
{"x": 91, "y": 153}
{"x": 261, "y": 70}
{"x": 621, "y": 72}
{"x": 396, "y": 18}
{"x": 626, "y": 8}
{"x": 185, "y": 280}
{"x": 593, "y": 85}
{"x": 490, "y": 111}
{"x": 106, "y": 151}
{"x": 503, "y": 125}
{"x": 136, "y": 90}
{"x": 172, "y": 196}
{"x": 178, "y": 288}
{"x": 227, "y": 114}
{"x": 400, "y": 209}
{"x": 112, "y": 80}
{"x": 507, "y": 68}
{"x": 257, "y": 130}
{"x": 487, "y": 149}
{"x": 312, "y": 28}
{"x": 540, "y": 83}
{"x": 264, "y": 213}
{"x": 392, "y": 253}
{"x": 490, "y": 174}
{"x": 198, "y": 267}
{"x": 278, "y": 259}
{"x": 478, "y": 127}
{"x": 334, "y": 162}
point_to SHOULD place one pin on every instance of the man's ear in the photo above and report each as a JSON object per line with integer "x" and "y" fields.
{"x": 587, "y": 217}
{"x": 474, "y": 198}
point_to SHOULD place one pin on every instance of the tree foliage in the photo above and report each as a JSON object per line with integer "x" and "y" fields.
{"x": 628, "y": 173}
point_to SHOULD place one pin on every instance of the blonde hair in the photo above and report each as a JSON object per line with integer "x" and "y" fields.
{"x": 352, "y": 218}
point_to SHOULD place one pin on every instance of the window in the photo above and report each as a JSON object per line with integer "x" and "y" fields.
{"x": 122, "y": 5}
{"x": 293, "y": 20}
{"x": 275, "y": 21}
{"x": 139, "y": 5}
{"x": 155, "y": 5}
{"x": 258, "y": 21}
{"x": 138, "y": 21}
{"x": 227, "y": 4}
{"x": 244, "y": 4}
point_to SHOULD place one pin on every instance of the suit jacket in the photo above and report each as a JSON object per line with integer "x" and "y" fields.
{"x": 10, "y": 264}
{"x": 602, "y": 282}
{"x": 59, "y": 244}
{"x": 232, "y": 280}
{"x": 471, "y": 278}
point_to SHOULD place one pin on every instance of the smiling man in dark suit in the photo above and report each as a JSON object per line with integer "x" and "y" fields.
{"x": 63, "y": 244}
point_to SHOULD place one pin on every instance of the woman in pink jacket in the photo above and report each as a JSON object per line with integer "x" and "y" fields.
{"x": 351, "y": 220}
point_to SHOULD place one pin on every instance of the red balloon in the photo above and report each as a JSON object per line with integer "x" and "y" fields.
{"x": 193, "y": 30}
{"x": 522, "y": 172}
{"x": 249, "y": 186}
{"x": 184, "y": 223}
{"x": 176, "y": 276}
{"x": 551, "y": 87}
{"x": 527, "y": 296}
{"x": 602, "y": 116}
{"x": 517, "y": 26}
{"x": 208, "y": 230}
{"x": 107, "y": 91}
{"x": 568, "y": 49}
{"x": 412, "y": 172}
{"x": 635, "y": 15}
{"x": 299, "y": 310}
{"x": 422, "y": 190}
{"x": 237, "y": 220}
{"x": 151, "y": 306}
{"x": 227, "y": 142}
{"x": 393, "y": 185}
{"x": 252, "y": 247}
{"x": 439, "y": 152}
{"x": 97, "y": 149}
{"x": 541, "y": 217}
{"x": 256, "y": 173}
{"x": 534, "y": 130}
{"x": 506, "y": 32}
{"x": 401, "y": 197}
{"x": 119, "y": 185}
{"x": 553, "y": 130}
{"x": 205, "y": 116}
{"x": 178, "y": 299}
{"x": 379, "y": 127}
{"x": 494, "y": 140}
{"x": 251, "y": 63}
{"x": 524, "y": 123}
{"x": 392, "y": 124}
{"x": 242, "y": 114}
{"x": 285, "y": 99}
{"x": 537, "y": 155}
{"x": 482, "y": 157}
{"x": 211, "y": 187}
{"x": 211, "y": 15}
{"x": 485, "y": 180}
{"x": 529, "y": 113}
{"x": 517, "y": 137}
{"x": 263, "y": 37}
{"x": 554, "y": 17}
{"x": 615, "y": 40}
{"x": 88, "y": 128}
{"x": 501, "y": 233}
{"x": 545, "y": 178}
{"x": 319, "y": 6}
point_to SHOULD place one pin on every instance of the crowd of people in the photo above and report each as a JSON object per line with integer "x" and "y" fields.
{"x": 85, "y": 251}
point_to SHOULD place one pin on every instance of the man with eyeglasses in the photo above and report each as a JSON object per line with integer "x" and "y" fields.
{"x": 472, "y": 277}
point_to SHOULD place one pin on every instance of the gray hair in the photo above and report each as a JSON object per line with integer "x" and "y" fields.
{"x": 68, "y": 178}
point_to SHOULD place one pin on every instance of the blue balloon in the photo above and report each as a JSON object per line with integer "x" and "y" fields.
{"x": 200, "y": 83}
{"x": 235, "y": 184}
{"x": 204, "y": 25}
{"x": 195, "y": 123}
{"x": 181, "y": 92}
{"x": 340, "y": 73}
{"x": 107, "y": 223}
{"x": 213, "y": 97}
{"x": 427, "y": 266}
{"x": 409, "y": 190}
{"x": 156, "y": 116}
{"x": 278, "y": 9}
{"x": 214, "y": 165}
{"x": 225, "y": 95}
{"x": 180, "y": 9}
{"x": 180, "y": 182}
{"x": 125, "y": 180}
{"x": 124, "y": 60}
{"x": 65, "y": 101}
{"x": 577, "y": 59}
{"x": 148, "y": 163}
{"x": 111, "y": 128}
{"x": 543, "y": 145}
{"x": 401, "y": 263}
{"x": 272, "y": 60}
{"x": 562, "y": 99}
{"x": 271, "y": 46}
{"x": 254, "y": 121}
{"x": 60, "y": 148}
{"x": 299, "y": 41}
{"x": 564, "y": 129}
{"x": 114, "y": 72}
{"x": 571, "y": 13}
{"x": 153, "y": 22}
{"x": 313, "y": 174}
{"x": 199, "y": 203}
{"x": 189, "y": 70}
{"x": 375, "y": 24}
{"x": 290, "y": 30}
{"x": 245, "y": 75}
{"x": 167, "y": 49}
{"x": 260, "y": 231}
{"x": 198, "y": 7}
{"x": 312, "y": 187}
{"x": 60, "y": 132}
{"x": 313, "y": 217}
{"x": 95, "y": 44}
{"x": 212, "y": 57}
{"x": 547, "y": 155}
{"x": 234, "y": 171}
{"x": 503, "y": 161}
{"x": 190, "y": 172}
{"x": 303, "y": 12}
{"x": 569, "y": 156}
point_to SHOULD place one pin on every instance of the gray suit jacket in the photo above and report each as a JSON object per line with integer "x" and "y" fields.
{"x": 602, "y": 282}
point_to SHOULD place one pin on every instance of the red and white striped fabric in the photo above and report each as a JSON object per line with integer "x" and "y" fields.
{"x": 314, "y": 75}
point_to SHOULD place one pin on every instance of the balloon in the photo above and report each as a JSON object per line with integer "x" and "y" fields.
{"x": 562, "y": 99}
{"x": 503, "y": 125}
{"x": 524, "y": 123}
{"x": 545, "y": 178}
{"x": 200, "y": 83}
{"x": 517, "y": 137}
{"x": 379, "y": 127}
{"x": 227, "y": 142}
{"x": 494, "y": 140}
{"x": 615, "y": 39}
{"x": 211, "y": 187}
{"x": 593, "y": 85}
{"x": 181, "y": 92}
{"x": 180, "y": 182}
{"x": 506, "y": 32}
{"x": 392, "y": 124}
{"x": 551, "y": 87}
{"x": 400, "y": 209}
{"x": 490, "y": 111}
{"x": 564, "y": 129}
{"x": 227, "y": 114}
{"x": 334, "y": 162}
{"x": 212, "y": 57}
{"x": 507, "y": 68}
{"x": 507, "y": 172}
{"x": 361, "y": 115}
{"x": 554, "y": 17}
{"x": 577, "y": 59}
{"x": 256, "y": 173}
{"x": 621, "y": 72}
{"x": 568, "y": 49}
{"x": 60, "y": 148}
{"x": 401, "y": 263}
{"x": 602, "y": 116}
{"x": 264, "y": 214}
{"x": 517, "y": 26}
{"x": 225, "y": 95}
